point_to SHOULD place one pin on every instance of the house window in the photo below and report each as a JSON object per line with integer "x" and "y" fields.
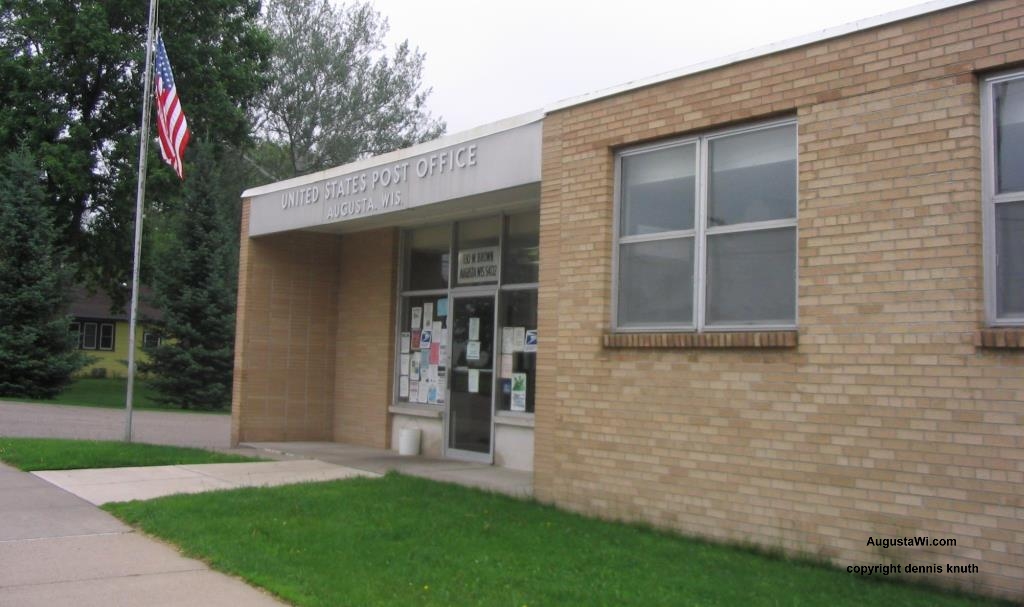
{"x": 706, "y": 232}
{"x": 89, "y": 335}
{"x": 150, "y": 339}
{"x": 1003, "y": 197}
{"x": 106, "y": 336}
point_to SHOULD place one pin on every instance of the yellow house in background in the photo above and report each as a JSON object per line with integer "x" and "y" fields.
{"x": 103, "y": 332}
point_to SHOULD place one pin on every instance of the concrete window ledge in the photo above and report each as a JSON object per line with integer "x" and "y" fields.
{"x": 728, "y": 339}
{"x": 1006, "y": 339}
{"x": 507, "y": 419}
{"x": 432, "y": 411}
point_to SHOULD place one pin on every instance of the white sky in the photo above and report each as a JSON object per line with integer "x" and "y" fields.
{"x": 491, "y": 59}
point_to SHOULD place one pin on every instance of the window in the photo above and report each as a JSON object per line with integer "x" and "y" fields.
{"x": 706, "y": 232}
{"x": 89, "y": 336}
{"x": 150, "y": 339}
{"x": 1003, "y": 197}
{"x": 106, "y": 336}
{"x": 493, "y": 256}
{"x": 93, "y": 335}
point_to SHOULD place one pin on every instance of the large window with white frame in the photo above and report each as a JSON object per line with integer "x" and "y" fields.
{"x": 1003, "y": 197}
{"x": 706, "y": 232}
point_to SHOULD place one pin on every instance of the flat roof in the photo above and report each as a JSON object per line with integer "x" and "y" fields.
{"x": 536, "y": 115}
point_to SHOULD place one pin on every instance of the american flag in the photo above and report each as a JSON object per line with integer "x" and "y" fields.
{"x": 171, "y": 126}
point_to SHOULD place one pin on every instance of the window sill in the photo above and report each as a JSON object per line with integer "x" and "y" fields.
{"x": 431, "y": 411}
{"x": 1004, "y": 339}
{"x": 523, "y": 420}
{"x": 727, "y": 339}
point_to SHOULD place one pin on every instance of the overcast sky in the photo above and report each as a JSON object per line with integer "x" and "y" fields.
{"x": 491, "y": 59}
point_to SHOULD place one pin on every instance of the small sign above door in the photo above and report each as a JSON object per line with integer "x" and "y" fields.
{"x": 478, "y": 265}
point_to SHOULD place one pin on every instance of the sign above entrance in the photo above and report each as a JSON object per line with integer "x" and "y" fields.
{"x": 478, "y": 265}
{"x": 488, "y": 159}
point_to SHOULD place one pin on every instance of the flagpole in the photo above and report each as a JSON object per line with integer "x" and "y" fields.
{"x": 147, "y": 94}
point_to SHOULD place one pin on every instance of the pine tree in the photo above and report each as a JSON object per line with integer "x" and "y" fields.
{"x": 194, "y": 287}
{"x": 37, "y": 355}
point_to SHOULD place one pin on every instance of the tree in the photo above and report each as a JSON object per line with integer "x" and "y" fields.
{"x": 333, "y": 95}
{"x": 37, "y": 355}
{"x": 194, "y": 286}
{"x": 70, "y": 90}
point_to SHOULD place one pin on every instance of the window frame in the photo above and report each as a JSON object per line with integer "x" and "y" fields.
{"x": 147, "y": 334}
{"x": 100, "y": 338}
{"x": 700, "y": 232}
{"x": 990, "y": 199}
{"x": 95, "y": 335}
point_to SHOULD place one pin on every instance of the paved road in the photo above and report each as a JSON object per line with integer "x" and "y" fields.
{"x": 167, "y": 428}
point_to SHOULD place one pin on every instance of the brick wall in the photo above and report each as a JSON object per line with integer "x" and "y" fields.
{"x": 366, "y": 342}
{"x": 886, "y": 419}
{"x": 285, "y": 336}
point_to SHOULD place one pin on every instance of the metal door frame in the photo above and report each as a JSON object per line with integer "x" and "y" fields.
{"x": 465, "y": 293}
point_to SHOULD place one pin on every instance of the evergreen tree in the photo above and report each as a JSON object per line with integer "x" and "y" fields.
{"x": 37, "y": 355}
{"x": 194, "y": 287}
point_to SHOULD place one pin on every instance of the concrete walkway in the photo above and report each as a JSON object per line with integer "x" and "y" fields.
{"x": 517, "y": 483}
{"x": 57, "y": 549}
{"x": 100, "y": 486}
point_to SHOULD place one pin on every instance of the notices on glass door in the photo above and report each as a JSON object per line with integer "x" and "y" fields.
{"x": 417, "y": 313}
{"x": 518, "y": 339}
{"x": 474, "y": 328}
{"x": 531, "y": 340}
{"x": 473, "y": 350}
{"x": 518, "y": 392}
{"x": 474, "y": 381}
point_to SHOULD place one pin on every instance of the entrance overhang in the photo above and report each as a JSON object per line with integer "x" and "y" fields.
{"x": 498, "y": 165}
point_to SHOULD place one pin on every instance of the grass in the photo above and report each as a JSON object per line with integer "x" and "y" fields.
{"x": 109, "y": 393}
{"x": 407, "y": 541}
{"x": 31, "y": 454}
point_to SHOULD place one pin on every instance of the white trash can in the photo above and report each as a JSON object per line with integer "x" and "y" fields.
{"x": 409, "y": 441}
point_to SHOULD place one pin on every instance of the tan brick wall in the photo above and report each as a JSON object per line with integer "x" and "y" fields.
{"x": 886, "y": 419}
{"x": 366, "y": 342}
{"x": 285, "y": 336}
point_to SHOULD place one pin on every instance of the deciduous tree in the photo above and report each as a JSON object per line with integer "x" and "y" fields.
{"x": 334, "y": 95}
{"x": 71, "y": 92}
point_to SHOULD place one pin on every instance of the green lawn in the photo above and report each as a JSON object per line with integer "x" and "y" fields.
{"x": 407, "y": 541}
{"x": 110, "y": 393}
{"x": 59, "y": 454}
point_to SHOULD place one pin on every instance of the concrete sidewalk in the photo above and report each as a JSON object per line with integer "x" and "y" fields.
{"x": 517, "y": 483}
{"x": 57, "y": 549}
{"x": 103, "y": 485}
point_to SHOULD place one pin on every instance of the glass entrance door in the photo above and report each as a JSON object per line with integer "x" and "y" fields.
{"x": 472, "y": 378}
